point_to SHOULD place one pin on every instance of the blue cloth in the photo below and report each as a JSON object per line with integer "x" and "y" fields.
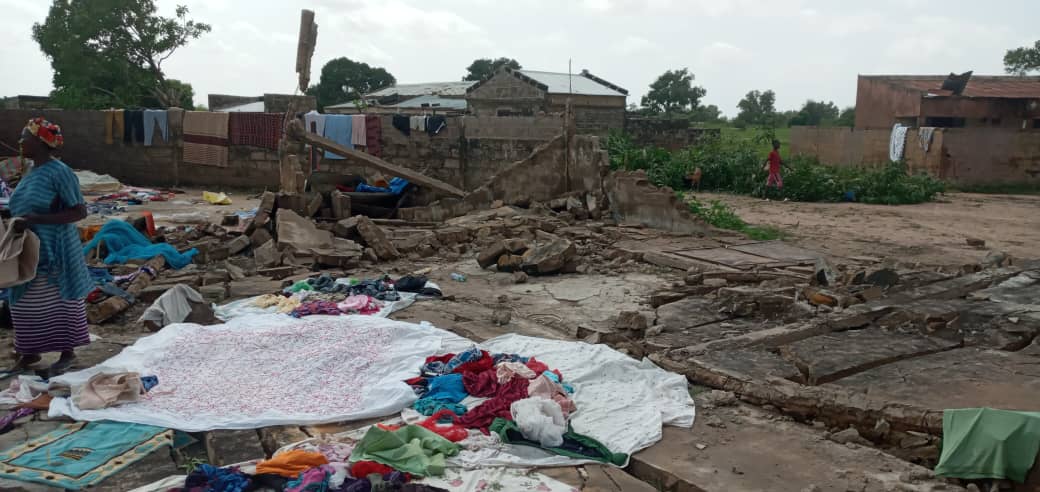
{"x": 113, "y": 290}
{"x": 397, "y": 186}
{"x": 51, "y": 187}
{"x": 149, "y": 382}
{"x": 447, "y": 388}
{"x": 154, "y": 117}
{"x": 430, "y": 406}
{"x": 211, "y": 478}
{"x": 79, "y": 455}
{"x": 498, "y": 358}
{"x": 125, "y": 243}
{"x": 338, "y": 128}
{"x": 556, "y": 379}
{"x": 438, "y": 367}
{"x": 100, "y": 275}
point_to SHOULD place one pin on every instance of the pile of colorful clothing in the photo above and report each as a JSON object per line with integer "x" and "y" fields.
{"x": 518, "y": 398}
{"x": 335, "y": 296}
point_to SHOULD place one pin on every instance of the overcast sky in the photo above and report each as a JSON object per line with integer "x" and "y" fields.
{"x": 799, "y": 48}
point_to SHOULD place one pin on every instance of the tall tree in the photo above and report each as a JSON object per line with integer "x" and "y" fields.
{"x": 673, "y": 92}
{"x": 757, "y": 109}
{"x": 707, "y": 114}
{"x": 847, "y": 117}
{"x": 343, "y": 80}
{"x": 483, "y": 68}
{"x": 1021, "y": 61}
{"x": 111, "y": 52}
{"x": 816, "y": 113}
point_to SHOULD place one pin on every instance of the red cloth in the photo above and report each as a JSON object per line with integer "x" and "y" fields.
{"x": 774, "y": 162}
{"x": 480, "y": 384}
{"x": 439, "y": 358}
{"x": 362, "y": 469}
{"x": 480, "y": 365}
{"x": 537, "y": 366}
{"x": 256, "y": 129}
{"x": 374, "y": 134}
{"x": 484, "y": 414}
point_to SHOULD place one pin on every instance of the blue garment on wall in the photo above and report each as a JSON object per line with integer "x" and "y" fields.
{"x": 339, "y": 128}
{"x": 397, "y": 185}
{"x": 154, "y": 117}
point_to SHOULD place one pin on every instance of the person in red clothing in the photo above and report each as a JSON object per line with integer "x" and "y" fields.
{"x": 775, "y": 162}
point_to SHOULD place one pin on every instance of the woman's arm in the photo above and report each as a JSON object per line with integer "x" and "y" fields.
{"x": 67, "y": 216}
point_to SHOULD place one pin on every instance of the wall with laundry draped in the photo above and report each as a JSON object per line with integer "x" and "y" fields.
{"x": 962, "y": 156}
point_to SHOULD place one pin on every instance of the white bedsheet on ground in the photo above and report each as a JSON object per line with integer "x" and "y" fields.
{"x": 247, "y": 307}
{"x": 259, "y": 371}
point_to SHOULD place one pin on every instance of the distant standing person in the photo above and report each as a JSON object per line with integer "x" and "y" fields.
{"x": 775, "y": 162}
{"x": 49, "y": 312}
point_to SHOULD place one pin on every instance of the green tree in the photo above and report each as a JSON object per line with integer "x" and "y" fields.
{"x": 707, "y": 114}
{"x": 816, "y": 113}
{"x": 1021, "y": 61}
{"x": 483, "y": 68}
{"x": 847, "y": 117}
{"x": 343, "y": 80}
{"x": 110, "y": 52}
{"x": 757, "y": 109}
{"x": 673, "y": 92}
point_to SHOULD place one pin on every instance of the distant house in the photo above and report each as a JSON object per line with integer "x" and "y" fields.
{"x": 599, "y": 106}
{"x": 25, "y": 102}
{"x": 428, "y": 97}
{"x": 267, "y": 103}
{"x": 954, "y": 101}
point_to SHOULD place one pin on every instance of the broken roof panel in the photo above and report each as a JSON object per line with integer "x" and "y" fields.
{"x": 253, "y": 107}
{"x": 437, "y": 102}
{"x": 580, "y": 83}
{"x": 423, "y": 89}
{"x": 1006, "y": 86}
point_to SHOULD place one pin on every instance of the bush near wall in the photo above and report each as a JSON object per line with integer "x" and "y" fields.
{"x": 736, "y": 165}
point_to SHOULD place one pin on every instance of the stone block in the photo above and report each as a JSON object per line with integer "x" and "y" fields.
{"x": 376, "y": 239}
{"x": 341, "y": 208}
{"x": 347, "y": 228}
{"x": 548, "y": 255}
{"x": 238, "y": 245}
{"x": 259, "y": 237}
{"x": 509, "y": 262}
{"x": 489, "y": 256}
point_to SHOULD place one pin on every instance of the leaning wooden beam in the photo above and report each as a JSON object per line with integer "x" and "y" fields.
{"x": 296, "y": 131}
{"x": 104, "y": 310}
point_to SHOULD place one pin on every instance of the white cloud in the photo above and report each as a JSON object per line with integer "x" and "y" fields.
{"x": 721, "y": 53}
{"x": 631, "y": 45}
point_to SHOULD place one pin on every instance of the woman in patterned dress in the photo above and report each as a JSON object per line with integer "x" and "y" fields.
{"x": 49, "y": 312}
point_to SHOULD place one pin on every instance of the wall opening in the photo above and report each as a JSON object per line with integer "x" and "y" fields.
{"x": 944, "y": 122}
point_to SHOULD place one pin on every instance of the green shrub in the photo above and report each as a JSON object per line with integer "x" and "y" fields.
{"x": 735, "y": 164}
{"x": 723, "y": 216}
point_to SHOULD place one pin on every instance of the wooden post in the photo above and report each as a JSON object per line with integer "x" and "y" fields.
{"x": 288, "y": 167}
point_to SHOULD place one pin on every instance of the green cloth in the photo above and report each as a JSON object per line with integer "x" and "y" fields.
{"x": 301, "y": 285}
{"x": 411, "y": 449}
{"x": 987, "y": 443}
{"x": 574, "y": 445}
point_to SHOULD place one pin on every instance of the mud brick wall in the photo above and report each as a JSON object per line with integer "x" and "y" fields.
{"x": 134, "y": 163}
{"x": 963, "y": 156}
{"x": 671, "y": 134}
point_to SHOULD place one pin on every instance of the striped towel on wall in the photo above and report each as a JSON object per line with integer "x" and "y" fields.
{"x": 256, "y": 129}
{"x": 206, "y": 138}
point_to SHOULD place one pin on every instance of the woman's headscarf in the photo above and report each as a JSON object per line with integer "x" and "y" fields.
{"x": 46, "y": 131}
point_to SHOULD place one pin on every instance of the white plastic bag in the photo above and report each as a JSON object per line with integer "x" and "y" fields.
{"x": 540, "y": 420}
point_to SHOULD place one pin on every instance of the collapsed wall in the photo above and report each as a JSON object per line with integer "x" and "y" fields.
{"x": 633, "y": 199}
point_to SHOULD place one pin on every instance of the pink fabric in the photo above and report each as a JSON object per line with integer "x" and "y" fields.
{"x": 546, "y": 388}
{"x": 360, "y": 304}
{"x": 507, "y": 370}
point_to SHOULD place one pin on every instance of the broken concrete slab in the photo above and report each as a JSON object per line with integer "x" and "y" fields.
{"x": 548, "y": 254}
{"x": 300, "y": 234}
{"x": 376, "y": 239}
{"x": 687, "y": 313}
{"x": 226, "y": 447}
{"x": 829, "y": 357}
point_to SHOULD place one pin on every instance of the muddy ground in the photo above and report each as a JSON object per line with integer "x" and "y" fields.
{"x": 930, "y": 233}
{"x": 788, "y": 380}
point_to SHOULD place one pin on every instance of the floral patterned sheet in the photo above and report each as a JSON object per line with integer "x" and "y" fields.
{"x": 259, "y": 371}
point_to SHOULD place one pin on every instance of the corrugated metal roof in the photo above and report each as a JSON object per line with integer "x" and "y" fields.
{"x": 1007, "y": 86}
{"x": 423, "y": 89}
{"x": 253, "y": 107}
{"x": 433, "y": 102}
{"x": 561, "y": 83}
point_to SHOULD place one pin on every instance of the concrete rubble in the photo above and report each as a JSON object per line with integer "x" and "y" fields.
{"x": 809, "y": 373}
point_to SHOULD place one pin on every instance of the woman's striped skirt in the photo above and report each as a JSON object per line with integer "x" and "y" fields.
{"x": 44, "y": 322}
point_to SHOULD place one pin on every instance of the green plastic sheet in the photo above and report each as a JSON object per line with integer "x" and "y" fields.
{"x": 987, "y": 443}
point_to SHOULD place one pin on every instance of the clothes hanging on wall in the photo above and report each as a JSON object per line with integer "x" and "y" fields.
{"x": 373, "y": 134}
{"x": 153, "y": 117}
{"x": 925, "y": 134}
{"x": 338, "y": 128}
{"x": 358, "y": 130}
{"x": 255, "y": 129}
{"x": 133, "y": 125}
{"x": 113, "y": 124}
{"x": 435, "y": 124}
{"x": 206, "y": 138}
{"x": 418, "y": 123}
{"x": 402, "y": 123}
{"x": 897, "y": 142}
{"x": 314, "y": 122}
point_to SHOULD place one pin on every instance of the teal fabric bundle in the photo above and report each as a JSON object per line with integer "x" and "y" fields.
{"x": 987, "y": 443}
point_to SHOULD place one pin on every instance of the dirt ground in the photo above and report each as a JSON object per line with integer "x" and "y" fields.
{"x": 929, "y": 233}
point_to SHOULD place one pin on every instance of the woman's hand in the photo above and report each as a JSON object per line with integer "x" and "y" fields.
{"x": 19, "y": 224}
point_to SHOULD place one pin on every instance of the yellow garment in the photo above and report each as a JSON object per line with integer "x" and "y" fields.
{"x": 216, "y": 198}
{"x": 284, "y": 304}
{"x": 291, "y": 463}
{"x": 113, "y": 124}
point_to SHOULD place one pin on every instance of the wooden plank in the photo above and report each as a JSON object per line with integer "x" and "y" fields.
{"x": 295, "y": 130}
